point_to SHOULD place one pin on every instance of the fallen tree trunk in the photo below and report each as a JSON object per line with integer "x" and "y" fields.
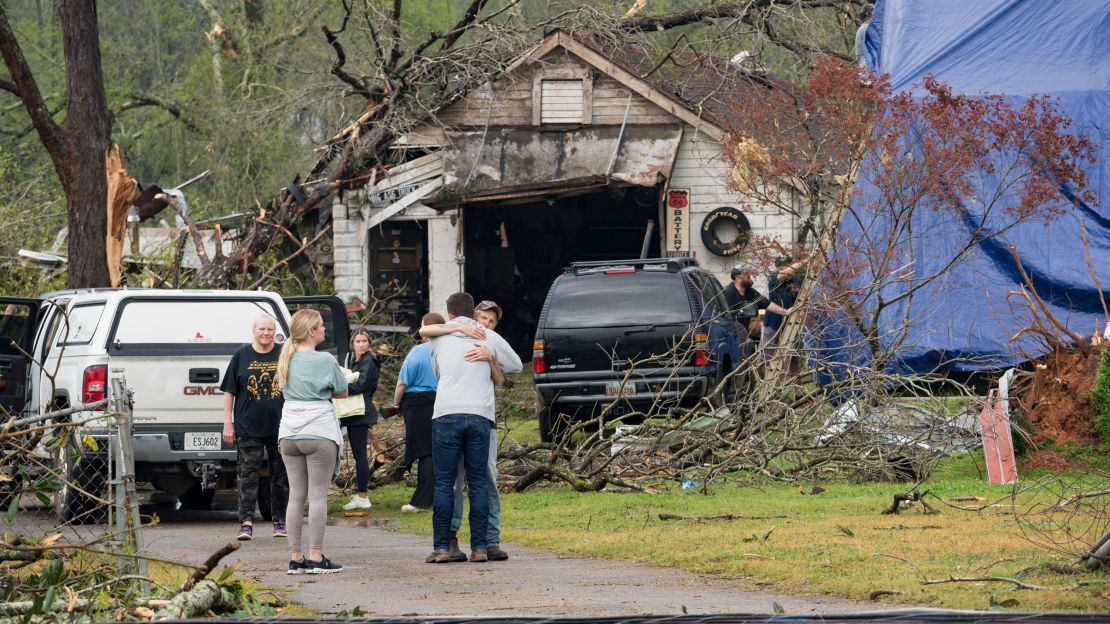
{"x": 205, "y": 569}
{"x": 206, "y": 595}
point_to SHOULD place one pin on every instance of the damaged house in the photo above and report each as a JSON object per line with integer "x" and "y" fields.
{"x": 573, "y": 153}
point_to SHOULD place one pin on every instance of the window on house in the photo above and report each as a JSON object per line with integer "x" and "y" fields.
{"x": 562, "y": 101}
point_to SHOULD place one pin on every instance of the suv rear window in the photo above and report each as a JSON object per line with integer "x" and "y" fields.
{"x": 601, "y": 300}
{"x": 214, "y": 321}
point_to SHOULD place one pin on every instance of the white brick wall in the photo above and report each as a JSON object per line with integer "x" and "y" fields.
{"x": 699, "y": 167}
{"x": 349, "y": 244}
{"x": 444, "y": 275}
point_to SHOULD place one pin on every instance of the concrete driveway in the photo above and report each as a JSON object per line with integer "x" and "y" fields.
{"x": 385, "y": 575}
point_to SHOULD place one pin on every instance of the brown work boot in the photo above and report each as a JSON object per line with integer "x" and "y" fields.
{"x": 438, "y": 556}
{"x": 494, "y": 552}
{"x": 478, "y": 556}
{"x": 453, "y": 549}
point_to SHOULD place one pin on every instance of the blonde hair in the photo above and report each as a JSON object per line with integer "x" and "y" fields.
{"x": 303, "y": 321}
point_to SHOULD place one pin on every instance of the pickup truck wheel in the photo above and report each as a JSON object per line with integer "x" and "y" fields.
{"x": 196, "y": 498}
{"x": 553, "y": 424}
{"x": 265, "y": 501}
{"x": 84, "y": 479}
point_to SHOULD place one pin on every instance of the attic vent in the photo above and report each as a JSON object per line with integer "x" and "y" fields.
{"x": 562, "y": 101}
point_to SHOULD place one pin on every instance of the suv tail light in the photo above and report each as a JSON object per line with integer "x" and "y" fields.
{"x": 701, "y": 349}
{"x": 94, "y": 384}
{"x": 538, "y": 364}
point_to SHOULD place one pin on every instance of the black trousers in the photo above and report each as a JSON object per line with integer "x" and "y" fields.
{"x": 358, "y": 435}
{"x": 425, "y": 483}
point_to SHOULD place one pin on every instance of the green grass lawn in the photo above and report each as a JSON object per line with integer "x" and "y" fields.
{"x": 836, "y": 543}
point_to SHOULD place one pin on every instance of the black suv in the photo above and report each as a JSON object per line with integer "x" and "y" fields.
{"x": 633, "y": 336}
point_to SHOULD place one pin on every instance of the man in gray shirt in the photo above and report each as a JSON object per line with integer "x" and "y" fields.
{"x": 461, "y": 420}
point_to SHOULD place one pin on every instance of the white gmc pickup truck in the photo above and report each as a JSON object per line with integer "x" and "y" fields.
{"x": 173, "y": 347}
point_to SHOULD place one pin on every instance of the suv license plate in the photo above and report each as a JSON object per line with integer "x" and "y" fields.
{"x": 616, "y": 389}
{"x": 202, "y": 441}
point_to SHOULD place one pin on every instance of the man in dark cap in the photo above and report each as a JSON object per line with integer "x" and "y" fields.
{"x": 744, "y": 299}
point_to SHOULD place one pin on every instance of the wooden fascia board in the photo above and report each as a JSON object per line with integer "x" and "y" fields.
{"x": 637, "y": 85}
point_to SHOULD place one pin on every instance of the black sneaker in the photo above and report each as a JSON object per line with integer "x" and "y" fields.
{"x": 323, "y": 566}
{"x": 298, "y": 567}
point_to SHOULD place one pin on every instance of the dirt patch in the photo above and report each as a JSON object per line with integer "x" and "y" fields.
{"x": 1049, "y": 460}
{"x": 1056, "y": 400}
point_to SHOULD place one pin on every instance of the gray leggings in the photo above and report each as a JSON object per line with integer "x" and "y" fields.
{"x": 310, "y": 465}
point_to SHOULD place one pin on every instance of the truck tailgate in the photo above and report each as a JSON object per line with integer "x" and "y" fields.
{"x": 175, "y": 390}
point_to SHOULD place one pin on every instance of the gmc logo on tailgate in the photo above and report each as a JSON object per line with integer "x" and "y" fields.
{"x": 197, "y": 390}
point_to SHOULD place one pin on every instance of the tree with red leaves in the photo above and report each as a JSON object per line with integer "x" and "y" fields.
{"x": 935, "y": 155}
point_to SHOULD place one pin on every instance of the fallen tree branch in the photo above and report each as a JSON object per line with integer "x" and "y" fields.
{"x": 22, "y": 607}
{"x": 913, "y": 497}
{"x": 210, "y": 563}
{"x": 670, "y": 516}
{"x": 207, "y": 595}
{"x": 265, "y": 276}
{"x": 30, "y": 420}
{"x": 1080, "y": 343}
{"x": 981, "y": 579}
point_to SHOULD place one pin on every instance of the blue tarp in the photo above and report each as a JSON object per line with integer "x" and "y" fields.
{"x": 1017, "y": 48}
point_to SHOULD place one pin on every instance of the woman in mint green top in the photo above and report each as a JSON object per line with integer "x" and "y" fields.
{"x": 315, "y": 376}
{"x": 308, "y": 437}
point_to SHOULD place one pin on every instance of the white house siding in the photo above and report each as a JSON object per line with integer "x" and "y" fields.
{"x": 699, "y": 167}
{"x": 352, "y": 254}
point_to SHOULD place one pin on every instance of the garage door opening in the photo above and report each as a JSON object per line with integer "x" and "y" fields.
{"x": 514, "y": 252}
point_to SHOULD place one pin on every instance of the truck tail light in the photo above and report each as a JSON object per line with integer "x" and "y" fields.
{"x": 94, "y": 384}
{"x": 538, "y": 364}
{"x": 701, "y": 349}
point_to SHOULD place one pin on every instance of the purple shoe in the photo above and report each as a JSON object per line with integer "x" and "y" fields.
{"x": 246, "y": 532}
{"x": 279, "y": 529}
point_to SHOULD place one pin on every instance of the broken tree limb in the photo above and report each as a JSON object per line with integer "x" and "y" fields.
{"x": 669, "y": 516}
{"x": 913, "y": 497}
{"x": 198, "y": 242}
{"x": 879, "y": 593}
{"x": 1079, "y": 341}
{"x": 210, "y": 563}
{"x": 265, "y": 276}
{"x": 981, "y": 579}
{"x": 207, "y": 595}
{"x": 9, "y": 609}
{"x": 30, "y": 420}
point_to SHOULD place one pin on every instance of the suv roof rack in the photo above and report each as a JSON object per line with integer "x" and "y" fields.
{"x": 672, "y": 265}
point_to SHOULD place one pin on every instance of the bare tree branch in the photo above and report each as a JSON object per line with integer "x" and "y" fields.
{"x": 23, "y": 84}
{"x": 139, "y": 100}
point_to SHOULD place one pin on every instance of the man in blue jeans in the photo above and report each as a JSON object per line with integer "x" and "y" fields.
{"x": 461, "y": 421}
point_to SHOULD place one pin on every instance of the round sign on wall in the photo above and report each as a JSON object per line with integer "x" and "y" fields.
{"x": 725, "y": 231}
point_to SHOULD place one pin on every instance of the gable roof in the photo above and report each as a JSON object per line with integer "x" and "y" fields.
{"x": 696, "y": 88}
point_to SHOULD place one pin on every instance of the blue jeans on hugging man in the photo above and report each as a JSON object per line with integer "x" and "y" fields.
{"x": 464, "y": 436}
{"x": 493, "y": 530}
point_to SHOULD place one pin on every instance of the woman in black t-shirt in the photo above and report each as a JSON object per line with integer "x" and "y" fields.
{"x": 252, "y": 412}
